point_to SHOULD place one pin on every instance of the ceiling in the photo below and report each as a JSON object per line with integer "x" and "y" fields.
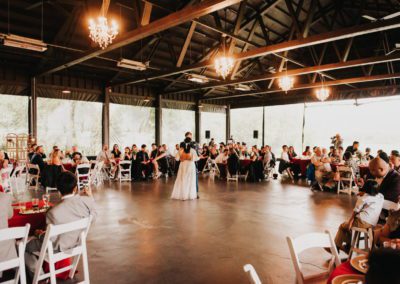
{"x": 249, "y": 25}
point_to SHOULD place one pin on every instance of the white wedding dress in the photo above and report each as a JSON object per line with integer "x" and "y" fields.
{"x": 185, "y": 183}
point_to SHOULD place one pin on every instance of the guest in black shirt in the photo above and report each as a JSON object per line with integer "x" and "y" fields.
{"x": 37, "y": 158}
{"x": 116, "y": 153}
{"x": 146, "y": 168}
{"x": 390, "y": 185}
{"x": 127, "y": 154}
{"x": 395, "y": 160}
{"x": 354, "y": 148}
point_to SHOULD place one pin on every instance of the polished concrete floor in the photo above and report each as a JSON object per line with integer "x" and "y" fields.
{"x": 141, "y": 236}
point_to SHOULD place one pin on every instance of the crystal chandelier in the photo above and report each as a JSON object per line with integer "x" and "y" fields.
{"x": 286, "y": 82}
{"x": 99, "y": 30}
{"x": 322, "y": 93}
{"x": 224, "y": 65}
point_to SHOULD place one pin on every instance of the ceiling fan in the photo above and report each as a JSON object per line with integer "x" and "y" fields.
{"x": 387, "y": 17}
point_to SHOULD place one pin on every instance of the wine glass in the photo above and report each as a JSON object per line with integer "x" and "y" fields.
{"x": 46, "y": 200}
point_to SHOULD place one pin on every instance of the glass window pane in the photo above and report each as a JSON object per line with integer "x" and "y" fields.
{"x": 131, "y": 125}
{"x": 14, "y": 118}
{"x": 215, "y": 122}
{"x": 283, "y": 125}
{"x": 66, "y": 123}
{"x": 176, "y": 123}
{"x": 243, "y": 123}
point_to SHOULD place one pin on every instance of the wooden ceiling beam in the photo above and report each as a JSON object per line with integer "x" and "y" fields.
{"x": 167, "y": 22}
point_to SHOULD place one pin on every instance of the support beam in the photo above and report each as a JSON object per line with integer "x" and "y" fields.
{"x": 331, "y": 36}
{"x": 186, "y": 44}
{"x": 228, "y": 123}
{"x": 297, "y": 72}
{"x": 146, "y": 14}
{"x": 363, "y": 79}
{"x": 33, "y": 110}
{"x": 158, "y": 124}
{"x": 106, "y": 117}
{"x": 167, "y": 22}
{"x": 197, "y": 121}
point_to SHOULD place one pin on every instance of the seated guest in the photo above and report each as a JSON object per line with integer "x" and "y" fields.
{"x": 354, "y": 148}
{"x": 72, "y": 207}
{"x": 365, "y": 214}
{"x": 395, "y": 160}
{"x": 134, "y": 151}
{"x": 389, "y": 179}
{"x": 383, "y": 266}
{"x": 367, "y": 155}
{"x": 37, "y": 158}
{"x": 285, "y": 160}
{"x": 75, "y": 151}
{"x": 52, "y": 170}
{"x": 7, "y": 248}
{"x": 213, "y": 152}
{"x": 31, "y": 151}
{"x": 55, "y": 158}
{"x": 292, "y": 154}
{"x": 350, "y": 162}
{"x": 323, "y": 174}
{"x": 163, "y": 163}
{"x": 154, "y": 151}
{"x": 256, "y": 169}
{"x": 127, "y": 154}
{"x": 205, "y": 154}
{"x": 268, "y": 159}
{"x": 116, "y": 153}
{"x": 233, "y": 161}
{"x": 77, "y": 159}
{"x": 335, "y": 157}
{"x": 3, "y": 161}
{"x": 307, "y": 152}
{"x": 146, "y": 168}
{"x": 222, "y": 161}
{"x": 331, "y": 150}
{"x": 390, "y": 231}
{"x": 104, "y": 155}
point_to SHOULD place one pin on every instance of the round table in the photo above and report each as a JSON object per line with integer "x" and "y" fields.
{"x": 37, "y": 220}
{"x": 303, "y": 164}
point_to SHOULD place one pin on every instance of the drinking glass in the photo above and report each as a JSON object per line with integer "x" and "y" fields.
{"x": 22, "y": 207}
{"x": 46, "y": 200}
{"x": 35, "y": 204}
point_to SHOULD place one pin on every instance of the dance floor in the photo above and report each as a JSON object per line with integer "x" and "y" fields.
{"x": 141, "y": 236}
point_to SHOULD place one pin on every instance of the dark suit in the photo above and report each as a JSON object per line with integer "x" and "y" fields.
{"x": 147, "y": 169}
{"x": 390, "y": 186}
{"x": 37, "y": 159}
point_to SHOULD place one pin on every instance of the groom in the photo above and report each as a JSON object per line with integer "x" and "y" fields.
{"x": 194, "y": 145}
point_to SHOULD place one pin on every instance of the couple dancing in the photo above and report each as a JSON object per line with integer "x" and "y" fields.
{"x": 186, "y": 183}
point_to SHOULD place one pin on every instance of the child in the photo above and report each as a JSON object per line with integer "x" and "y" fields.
{"x": 365, "y": 215}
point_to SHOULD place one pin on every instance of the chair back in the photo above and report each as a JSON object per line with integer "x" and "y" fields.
{"x": 308, "y": 241}
{"x": 11, "y": 235}
{"x": 48, "y": 254}
{"x": 33, "y": 173}
{"x": 5, "y": 178}
{"x": 83, "y": 175}
{"x": 254, "y": 279}
{"x": 125, "y": 170}
{"x": 346, "y": 178}
{"x": 96, "y": 176}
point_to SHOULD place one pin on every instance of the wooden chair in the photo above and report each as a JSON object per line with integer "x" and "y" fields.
{"x": 13, "y": 234}
{"x": 254, "y": 279}
{"x": 345, "y": 183}
{"x": 47, "y": 251}
{"x": 359, "y": 234}
{"x": 308, "y": 241}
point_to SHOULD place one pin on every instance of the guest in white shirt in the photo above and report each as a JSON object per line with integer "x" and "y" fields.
{"x": 222, "y": 158}
{"x": 104, "y": 155}
{"x": 365, "y": 214}
{"x": 323, "y": 173}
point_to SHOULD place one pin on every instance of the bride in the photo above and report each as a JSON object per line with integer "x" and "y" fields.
{"x": 185, "y": 183}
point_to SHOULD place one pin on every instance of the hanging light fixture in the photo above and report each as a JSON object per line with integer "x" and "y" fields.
{"x": 286, "y": 82}
{"x": 322, "y": 93}
{"x": 100, "y": 31}
{"x": 224, "y": 63}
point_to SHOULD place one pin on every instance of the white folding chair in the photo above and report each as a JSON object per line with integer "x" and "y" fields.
{"x": 18, "y": 180}
{"x": 345, "y": 183}
{"x": 124, "y": 170}
{"x": 269, "y": 169}
{"x": 308, "y": 241}
{"x": 96, "y": 174}
{"x": 33, "y": 174}
{"x": 83, "y": 175}
{"x": 5, "y": 179}
{"x": 14, "y": 234}
{"x": 47, "y": 251}
{"x": 254, "y": 279}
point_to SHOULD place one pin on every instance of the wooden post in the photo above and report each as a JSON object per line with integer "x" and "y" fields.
{"x": 158, "y": 123}
{"x": 33, "y": 110}
{"x": 106, "y": 117}
{"x": 197, "y": 120}
{"x": 228, "y": 123}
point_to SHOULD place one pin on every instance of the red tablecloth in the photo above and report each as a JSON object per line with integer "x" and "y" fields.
{"x": 302, "y": 163}
{"x": 344, "y": 268}
{"x": 1, "y": 188}
{"x": 245, "y": 163}
{"x": 37, "y": 221}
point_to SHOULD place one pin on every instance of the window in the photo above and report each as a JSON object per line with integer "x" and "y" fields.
{"x": 215, "y": 122}
{"x": 243, "y": 124}
{"x": 175, "y": 124}
{"x": 131, "y": 125}
{"x": 66, "y": 123}
{"x": 14, "y": 116}
{"x": 283, "y": 125}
